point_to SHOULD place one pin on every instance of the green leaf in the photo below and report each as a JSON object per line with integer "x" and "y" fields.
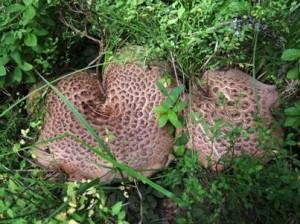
{"x": 172, "y": 116}
{"x": 17, "y": 74}
{"x": 182, "y": 139}
{"x": 16, "y": 147}
{"x": 174, "y": 94}
{"x": 28, "y": 2}
{"x": 180, "y": 12}
{"x": 26, "y": 67}
{"x": 162, "y": 121}
{"x": 29, "y": 14}
{"x": 179, "y": 150}
{"x": 292, "y": 111}
{"x": 179, "y": 106}
{"x": 293, "y": 73}
{"x": 2, "y": 70}
{"x": 161, "y": 109}
{"x": 30, "y": 40}
{"x": 12, "y": 186}
{"x": 15, "y": 8}
{"x": 4, "y": 59}
{"x": 162, "y": 89}
{"x": 292, "y": 122}
{"x": 16, "y": 57}
{"x": 172, "y": 21}
{"x": 116, "y": 208}
{"x": 291, "y": 55}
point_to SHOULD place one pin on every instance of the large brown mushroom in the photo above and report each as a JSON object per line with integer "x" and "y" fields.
{"x": 227, "y": 112}
{"x": 122, "y": 114}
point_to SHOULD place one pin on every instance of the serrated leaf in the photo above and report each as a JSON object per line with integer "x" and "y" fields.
{"x": 162, "y": 89}
{"x": 29, "y": 13}
{"x": 291, "y": 55}
{"x": 2, "y": 70}
{"x": 162, "y": 120}
{"x": 116, "y": 208}
{"x": 30, "y": 40}
{"x": 26, "y": 67}
{"x": 293, "y": 73}
{"x": 172, "y": 116}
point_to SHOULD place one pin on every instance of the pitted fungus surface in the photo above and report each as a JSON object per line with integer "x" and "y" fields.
{"x": 233, "y": 98}
{"x": 123, "y": 115}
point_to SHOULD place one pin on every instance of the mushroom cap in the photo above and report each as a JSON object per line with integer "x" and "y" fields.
{"x": 237, "y": 100}
{"x": 123, "y": 116}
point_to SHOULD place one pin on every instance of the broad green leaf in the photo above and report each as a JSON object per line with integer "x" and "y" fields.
{"x": 172, "y": 21}
{"x": 16, "y": 57}
{"x": 292, "y": 111}
{"x": 182, "y": 139}
{"x": 162, "y": 121}
{"x": 12, "y": 186}
{"x": 161, "y": 109}
{"x": 293, "y": 73}
{"x": 29, "y": 14}
{"x": 180, "y": 12}
{"x": 116, "y": 208}
{"x": 15, "y": 8}
{"x": 30, "y": 40}
{"x": 179, "y": 106}
{"x": 9, "y": 38}
{"x": 17, "y": 74}
{"x": 28, "y": 2}
{"x": 26, "y": 67}
{"x": 179, "y": 150}
{"x": 292, "y": 122}
{"x": 2, "y": 70}
{"x": 4, "y": 59}
{"x": 16, "y": 147}
{"x": 172, "y": 116}
{"x": 291, "y": 55}
{"x": 174, "y": 94}
{"x": 161, "y": 87}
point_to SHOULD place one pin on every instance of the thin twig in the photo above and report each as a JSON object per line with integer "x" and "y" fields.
{"x": 141, "y": 202}
{"x": 174, "y": 68}
{"x": 100, "y": 43}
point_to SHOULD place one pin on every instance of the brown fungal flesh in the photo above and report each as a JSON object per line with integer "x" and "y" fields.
{"x": 236, "y": 100}
{"x": 123, "y": 116}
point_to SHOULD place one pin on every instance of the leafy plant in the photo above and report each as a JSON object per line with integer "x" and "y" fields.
{"x": 292, "y": 55}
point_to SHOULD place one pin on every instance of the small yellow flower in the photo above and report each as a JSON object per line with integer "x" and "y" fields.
{"x": 24, "y": 133}
{"x": 22, "y": 142}
{"x": 61, "y": 216}
{"x": 72, "y": 221}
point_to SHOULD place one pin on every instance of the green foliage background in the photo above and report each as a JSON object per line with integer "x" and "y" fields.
{"x": 52, "y": 37}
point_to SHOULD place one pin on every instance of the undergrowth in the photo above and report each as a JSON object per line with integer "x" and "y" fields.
{"x": 54, "y": 37}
